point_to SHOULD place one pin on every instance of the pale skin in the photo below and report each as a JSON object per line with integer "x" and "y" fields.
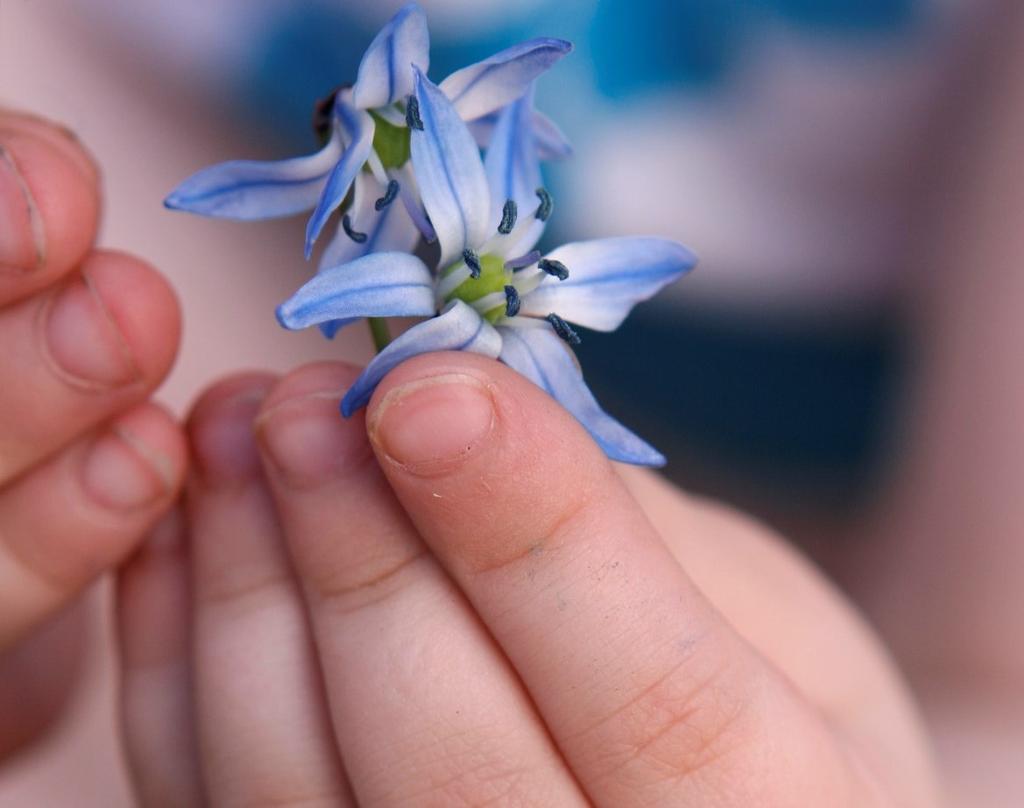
{"x": 409, "y": 607}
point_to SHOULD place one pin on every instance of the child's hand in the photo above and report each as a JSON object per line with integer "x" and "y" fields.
{"x": 85, "y": 466}
{"x": 491, "y": 619}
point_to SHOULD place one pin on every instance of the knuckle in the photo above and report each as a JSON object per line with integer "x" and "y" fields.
{"x": 685, "y": 722}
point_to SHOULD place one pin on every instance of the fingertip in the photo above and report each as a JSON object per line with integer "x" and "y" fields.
{"x": 220, "y": 428}
{"x": 49, "y": 200}
{"x": 144, "y": 309}
{"x": 138, "y": 463}
{"x": 439, "y": 412}
{"x": 303, "y": 437}
{"x": 314, "y": 377}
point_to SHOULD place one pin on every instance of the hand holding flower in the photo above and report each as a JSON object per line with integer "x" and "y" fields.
{"x": 461, "y": 601}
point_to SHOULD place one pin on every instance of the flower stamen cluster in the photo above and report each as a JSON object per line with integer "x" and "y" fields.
{"x": 395, "y": 135}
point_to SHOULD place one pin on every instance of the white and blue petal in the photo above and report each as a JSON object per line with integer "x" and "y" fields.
{"x": 541, "y": 356}
{"x": 450, "y": 174}
{"x": 386, "y": 230}
{"x": 552, "y": 144}
{"x": 357, "y": 127}
{"x": 511, "y": 163}
{"x": 376, "y": 285}
{"x": 458, "y": 328}
{"x": 251, "y": 189}
{"x": 607, "y": 277}
{"x": 385, "y": 72}
{"x": 486, "y": 86}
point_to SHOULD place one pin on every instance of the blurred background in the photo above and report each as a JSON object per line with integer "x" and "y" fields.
{"x": 803, "y": 148}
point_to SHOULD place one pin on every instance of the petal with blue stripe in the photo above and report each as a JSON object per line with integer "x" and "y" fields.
{"x": 551, "y": 142}
{"x": 541, "y": 356}
{"x": 489, "y": 85}
{"x": 376, "y": 285}
{"x": 607, "y": 277}
{"x": 357, "y": 127}
{"x": 450, "y": 174}
{"x": 513, "y": 169}
{"x": 458, "y": 328}
{"x": 385, "y": 72}
{"x": 251, "y": 189}
{"x": 387, "y": 230}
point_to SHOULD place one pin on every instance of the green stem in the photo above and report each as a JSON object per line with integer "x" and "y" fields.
{"x": 380, "y": 332}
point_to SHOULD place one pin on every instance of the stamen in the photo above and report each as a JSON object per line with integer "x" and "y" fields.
{"x": 546, "y": 204}
{"x": 523, "y": 261}
{"x": 563, "y": 329}
{"x": 412, "y": 113}
{"x": 508, "y": 217}
{"x": 355, "y": 235}
{"x": 512, "y": 301}
{"x": 472, "y": 261}
{"x": 552, "y": 267}
{"x": 389, "y": 195}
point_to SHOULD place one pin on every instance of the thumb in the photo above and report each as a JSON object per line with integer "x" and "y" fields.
{"x": 649, "y": 693}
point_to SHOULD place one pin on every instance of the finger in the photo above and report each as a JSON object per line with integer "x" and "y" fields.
{"x": 263, "y": 728}
{"x": 97, "y": 343}
{"x": 49, "y": 204}
{"x": 38, "y": 678}
{"x": 81, "y": 512}
{"x": 157, "y": 708}
{"x": 651, "y": 696}
{"x": 426, "y": 709}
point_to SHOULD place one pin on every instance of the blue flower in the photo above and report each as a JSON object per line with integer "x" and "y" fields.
{"x": 496, "y": 295}
{"x": 367, "y": 126}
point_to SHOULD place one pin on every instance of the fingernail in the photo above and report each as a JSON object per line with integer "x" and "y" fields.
{"x": 84, "y": 339}
{"x": 22, "y": 239}
{"x": 224, "y": 442}
{"x": 308, "y": 442}
{"x": 431, "y": 424}
{"x": 124, "y": 473}
{"x": 55, "y": 133}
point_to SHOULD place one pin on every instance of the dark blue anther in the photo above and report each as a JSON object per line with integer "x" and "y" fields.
{"x": 508, "y": 217}
{"x": 512, "y": 301}
{"x": 546, "y": 204}
{"x": 412, "y": 113}
{"x": 523, "y": 261}
{"x": 552, "y": 267}
{"x": 355, "y": 235}
{"x": 389, "y": 195}
{"x": 473, "y": 262}
{"x": 563, "y": 329}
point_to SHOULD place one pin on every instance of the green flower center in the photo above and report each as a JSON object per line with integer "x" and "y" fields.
{"x": 494, "y": 277}
{"x": 390, "y": 142}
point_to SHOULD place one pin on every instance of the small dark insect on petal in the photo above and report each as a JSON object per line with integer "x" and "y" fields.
{"x": 389, "y": 195}
{"x": 508, "y": 217}
{"x": 412, "y": 113}
{"x": 552, "y": 267}
{"x": 563, "y": 329}
{"x": 473, "y": 262}
{"x": 546, "y": 204}
{"x": 323, "y": 111}
{"x": 355, "y": 235}
{"x": 512, "y": 301}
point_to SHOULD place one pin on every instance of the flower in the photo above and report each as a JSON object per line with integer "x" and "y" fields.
{"x": 367, "y": 125}
{"x": 496, "y": 295}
